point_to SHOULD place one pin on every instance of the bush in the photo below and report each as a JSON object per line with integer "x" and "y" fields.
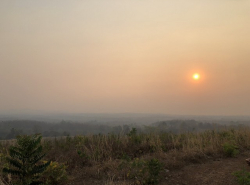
{"x": 55, "y": 174}
{"x": 154, "y": 168}
{"x": 243, "y": 177}
{"x": 134, "y": 137}
{"x": 145, "y": 172}
{"x": 230, "y": 150}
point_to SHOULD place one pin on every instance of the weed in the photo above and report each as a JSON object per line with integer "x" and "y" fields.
{"x": 55, "y": 174}
{"x": 83, "y": 155}
{"x": 132, "y": 132}
{"x": 154, "y": 168}
{"x": 125, "y": 157}
{"x": 145, "y": 172}
{"x": 243, "y": 177}
{"x": 230, "y": 150}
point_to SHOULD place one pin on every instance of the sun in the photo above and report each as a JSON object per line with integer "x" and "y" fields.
{"x": 196, "y": 76}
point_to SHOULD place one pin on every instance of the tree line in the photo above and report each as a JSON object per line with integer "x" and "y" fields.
{"x": 10, "y": 129}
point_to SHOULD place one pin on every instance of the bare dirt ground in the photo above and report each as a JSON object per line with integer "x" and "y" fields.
{"x": 214, "y": 172}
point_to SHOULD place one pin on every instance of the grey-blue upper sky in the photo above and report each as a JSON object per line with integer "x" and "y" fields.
{"x": 125, "y": 56}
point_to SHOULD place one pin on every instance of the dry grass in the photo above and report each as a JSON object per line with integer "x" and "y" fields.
{"x": 112, "y": 182}
{"x": 100, "y": 157}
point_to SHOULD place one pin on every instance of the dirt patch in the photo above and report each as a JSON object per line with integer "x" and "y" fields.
{"x": 214, "y": 172}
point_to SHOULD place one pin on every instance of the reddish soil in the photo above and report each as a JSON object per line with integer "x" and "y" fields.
{"x": 214, "y": 172}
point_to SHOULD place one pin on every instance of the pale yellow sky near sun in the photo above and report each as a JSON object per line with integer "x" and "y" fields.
{"x": 109, "y": 56}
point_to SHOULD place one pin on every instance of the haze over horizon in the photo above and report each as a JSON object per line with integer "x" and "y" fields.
{"x": 125, "y": 56}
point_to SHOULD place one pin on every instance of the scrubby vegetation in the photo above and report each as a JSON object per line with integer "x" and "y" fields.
{"x": 243, "y": 177}
{"x": 132, "y": 158}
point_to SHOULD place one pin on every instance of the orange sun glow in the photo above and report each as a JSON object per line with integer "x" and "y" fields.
{"x": 196, "y": 76}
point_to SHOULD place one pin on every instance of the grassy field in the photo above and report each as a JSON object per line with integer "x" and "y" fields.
{"x": 135, "y": 158}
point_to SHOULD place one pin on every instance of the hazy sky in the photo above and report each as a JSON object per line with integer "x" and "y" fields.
{"x": 116, "y": 56}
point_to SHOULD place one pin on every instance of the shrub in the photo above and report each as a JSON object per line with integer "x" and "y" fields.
{"x": 154, "y": 168}
{"x": 24, "y": 160}
{"x": 83, "y": 155}
{"x": 55, "y": 174}
{"x": 134, "y": 137}
{"x": 230, "y": 150}
{"x": 243, "y": 177}
{"x": 145, "y": 172}
{"x": 132, "y": 132}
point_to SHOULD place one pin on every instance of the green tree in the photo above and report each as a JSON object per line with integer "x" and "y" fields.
{"x": 25, "y": 160}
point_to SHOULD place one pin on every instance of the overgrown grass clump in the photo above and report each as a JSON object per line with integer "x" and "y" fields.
{"x": 138, "y": 158}
{"x": 243, "y": 177}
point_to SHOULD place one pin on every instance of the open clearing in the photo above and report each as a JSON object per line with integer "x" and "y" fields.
{"x": 214, "y": 172}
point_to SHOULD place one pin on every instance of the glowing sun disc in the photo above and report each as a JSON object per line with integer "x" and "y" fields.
{"x": 196, "y": 76}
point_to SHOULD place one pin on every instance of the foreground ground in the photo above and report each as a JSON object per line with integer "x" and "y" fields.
{"x": 214, "y": 172}
{"x": 192, "y": 158}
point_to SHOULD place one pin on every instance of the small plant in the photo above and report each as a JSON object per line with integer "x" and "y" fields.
{"x": 83, "y": 155}
{"x": 154, "y": 168}
{"x": 137, "y": 170}
{"x": 55, "y": 173}
{"x": 132, "y": 132}
{"x": 145, "y": 172}
{"x": 230, "y": 150}
{"x": 134, "y": 137}
{"x": 25, "y": 160}
{"x": 243, "y": 177}
{"x": 126, "y": 157}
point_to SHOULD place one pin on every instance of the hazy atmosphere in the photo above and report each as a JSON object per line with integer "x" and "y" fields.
{"x": 109, "y": 56}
